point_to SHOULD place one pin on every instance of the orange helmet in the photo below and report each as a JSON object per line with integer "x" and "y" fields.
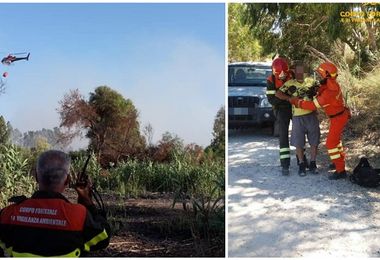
{"x": 327, "y": 70}
{"x": 280, "y": 68}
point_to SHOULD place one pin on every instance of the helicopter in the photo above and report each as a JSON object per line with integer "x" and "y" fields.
{"x": 8, "y": 60}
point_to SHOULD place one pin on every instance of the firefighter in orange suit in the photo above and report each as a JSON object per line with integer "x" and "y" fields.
{"x": 330, "y": 99}
{"x": 281, "y": 108}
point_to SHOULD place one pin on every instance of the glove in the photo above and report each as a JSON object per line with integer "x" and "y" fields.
{"x": 312, "y": 91}
{"x": 85, "y": 194}
{"x": 291, "y": 90}
{"x": 294, "y": 101}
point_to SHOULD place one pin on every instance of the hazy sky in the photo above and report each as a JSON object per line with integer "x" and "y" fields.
{"x": 167, "y": 58}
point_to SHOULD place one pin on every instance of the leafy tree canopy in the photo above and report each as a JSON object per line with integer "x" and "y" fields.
{"x": 109, "y": 120}
{"x": 218, "y": 142}
{"x": 242, "y": 45}
{"x": 314, "y": 30}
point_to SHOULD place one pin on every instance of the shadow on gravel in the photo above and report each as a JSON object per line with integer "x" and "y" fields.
{"x": 290, "y": 216}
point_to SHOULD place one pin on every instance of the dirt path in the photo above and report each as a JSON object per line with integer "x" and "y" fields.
{"x": 290, "y": 216}
{"x": 146, "y": 227}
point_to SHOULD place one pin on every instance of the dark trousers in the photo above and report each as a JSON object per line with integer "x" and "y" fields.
{"x": 283, "y": 116}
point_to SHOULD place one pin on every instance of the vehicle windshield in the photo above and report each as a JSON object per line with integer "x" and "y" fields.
{"x": 248, "y": 75}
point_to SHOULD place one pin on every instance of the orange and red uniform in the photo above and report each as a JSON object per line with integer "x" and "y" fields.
{"x": 330, "y": 99}
{"x": 48, "y": 225}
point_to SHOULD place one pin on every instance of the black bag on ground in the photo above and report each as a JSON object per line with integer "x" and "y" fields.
{"x": 365, "y": 175}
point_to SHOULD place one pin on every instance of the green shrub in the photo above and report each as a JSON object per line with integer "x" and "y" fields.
{"x": 14, "y": 174}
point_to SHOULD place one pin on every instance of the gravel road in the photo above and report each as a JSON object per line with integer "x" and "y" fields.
{"x": 270, "y": 215}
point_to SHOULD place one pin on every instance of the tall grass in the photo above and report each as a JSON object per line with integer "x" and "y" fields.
{"x": 134, "y": 177}
{"x": 14, "y": 174}
{"x": 128, "y": 178}
{"x": 363, "y": 96}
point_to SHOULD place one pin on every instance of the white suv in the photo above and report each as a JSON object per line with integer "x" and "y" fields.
{"x": 247, "y": 100}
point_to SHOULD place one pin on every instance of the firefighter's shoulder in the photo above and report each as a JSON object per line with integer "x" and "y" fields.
{"x": 17, "y": 199}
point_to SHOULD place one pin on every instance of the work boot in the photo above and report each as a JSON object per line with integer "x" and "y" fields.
{"x": 338, "y": 175}
{"x": 304, "y": 160}
{"x": 313, "y": 167}
{"x": 285, "y": 171}
{"x": 302, "y": 169}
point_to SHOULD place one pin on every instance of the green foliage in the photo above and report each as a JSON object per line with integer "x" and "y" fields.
{"x": 4, "y": 131}
{"x": 288, "y": 29}
{"x": 167, "y": 148}
{"x": 218, "y": 142}
{"x": 110, "y": 121}
{"x": 93, "y": 169}
{"x": 134, "y": 177}
{"x": 14, "y": 174}
{"x": 41, "y": 144}
{"x": 308, "y": 31}
{"x": 116, "y": 132}
{"x": 242, "y": 45}
{"x": 205, "y": 211}
{"x": 172, "y": 139}
{"x": 363, "y": 98}
{"x": 110, "y": 106}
